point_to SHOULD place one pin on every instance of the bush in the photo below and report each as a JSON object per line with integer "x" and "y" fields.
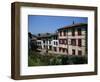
{"x": 36, "y": 59}
{"x": 77, "y": 59}
{"x": 55, "y": 61}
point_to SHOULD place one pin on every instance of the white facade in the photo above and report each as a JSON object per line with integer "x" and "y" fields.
{"x": 48, "y": 44}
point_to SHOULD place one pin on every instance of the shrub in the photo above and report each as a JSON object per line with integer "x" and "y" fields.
{"x": 36, "y": 59}
{"x": 78, "y": 59}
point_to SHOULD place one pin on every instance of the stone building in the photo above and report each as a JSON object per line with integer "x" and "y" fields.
{"x": 73, "y": 39}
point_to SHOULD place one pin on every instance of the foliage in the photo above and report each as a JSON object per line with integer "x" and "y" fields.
{"x": 36, "y": 59}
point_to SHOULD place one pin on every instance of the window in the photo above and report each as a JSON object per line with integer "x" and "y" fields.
{"x": 50, "y": 47}
{"x": 56, "y": 43}
{"x": 66, "y": 41}
{"x": 43, "y": 41}
{"x": 39, "y": 43}
{"x": 63, "y": 41}
{"x": 73, "y": 32}
{"x": 55, "y": 49}
{"x": 73, "y": 52}
{"x": 73, "y": 42}
{"x": 79, "y": 31}
{"x": 60, "y": 33}
{"x": 64, "y": 32}
{"x": 79, "y": 52}
{"x": 64, "y": 49}
{"x": 44, "y": 46}
{"x": 49, "y": 41}
{"x": 60, "y": 49}
{"x": 79, "y": 42}
{"x": 60, "y": 41}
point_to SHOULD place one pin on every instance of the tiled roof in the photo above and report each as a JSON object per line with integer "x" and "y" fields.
{"x": 45, "y": 35}
{"x": 73, "y": 25}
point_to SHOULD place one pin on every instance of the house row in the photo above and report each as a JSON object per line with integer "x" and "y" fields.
{"x": 48, "y": 41}
{"x": 69, "y": 40}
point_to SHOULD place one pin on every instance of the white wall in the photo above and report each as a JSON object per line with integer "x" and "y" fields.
{"x": 5, "y": 38}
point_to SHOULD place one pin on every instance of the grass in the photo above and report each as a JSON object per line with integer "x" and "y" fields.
{"x": 36, "y": 59}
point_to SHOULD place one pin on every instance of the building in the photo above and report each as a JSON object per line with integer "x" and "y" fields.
{"x": 73, "y": 39}
{"x": 55, "y": 42}
{"x": 44, "y": 41}
{"x": 68, "y": 40}
{"x": 48, "y": 42}
{"x": 32, "y": 40}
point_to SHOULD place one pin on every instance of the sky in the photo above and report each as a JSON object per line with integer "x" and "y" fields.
{"x": 50, "y": 24}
